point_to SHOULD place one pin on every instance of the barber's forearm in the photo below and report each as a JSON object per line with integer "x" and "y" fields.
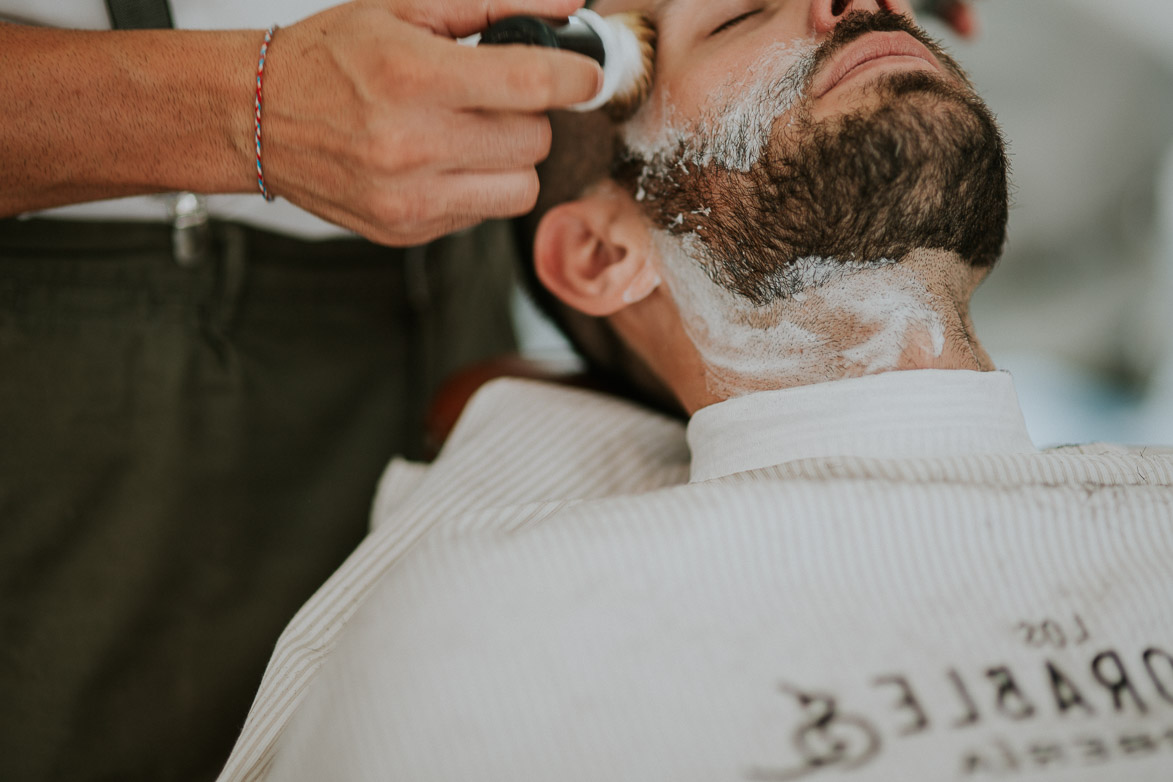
{"x": 91, "y": 115}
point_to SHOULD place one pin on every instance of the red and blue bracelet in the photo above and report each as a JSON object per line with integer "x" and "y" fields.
{"x": 260, "y": 83}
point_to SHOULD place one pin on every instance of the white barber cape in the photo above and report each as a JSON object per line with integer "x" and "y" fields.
{"x": 280, "y": 215}
{"x": 873, "y": 579}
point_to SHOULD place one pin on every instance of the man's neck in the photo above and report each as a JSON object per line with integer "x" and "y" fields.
{"x": 852, "y": 320}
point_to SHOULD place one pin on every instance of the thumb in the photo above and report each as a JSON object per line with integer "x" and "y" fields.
{"x": 458, "y": 18}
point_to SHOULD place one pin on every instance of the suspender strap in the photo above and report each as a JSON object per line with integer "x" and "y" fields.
{"x": 139, "y": 14}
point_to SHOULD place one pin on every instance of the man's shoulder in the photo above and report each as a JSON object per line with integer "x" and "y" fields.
{"x": 1159, "y": 452}
{"x": 1100, "y": 464}
{"x": 561, "y": 411}
{"x": 534, "y": 441}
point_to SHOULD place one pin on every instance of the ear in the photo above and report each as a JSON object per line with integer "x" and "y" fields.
{"x": 594, "y": 253}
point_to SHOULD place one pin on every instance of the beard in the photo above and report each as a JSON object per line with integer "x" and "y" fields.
{"x": 923, "y": 167}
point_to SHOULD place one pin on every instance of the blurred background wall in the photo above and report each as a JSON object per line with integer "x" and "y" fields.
{"x": 1081, "y": 308}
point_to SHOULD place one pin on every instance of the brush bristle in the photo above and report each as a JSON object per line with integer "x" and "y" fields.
{"x": 630, "y": 97}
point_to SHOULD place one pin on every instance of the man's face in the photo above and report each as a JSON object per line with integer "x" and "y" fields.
{"x": 780, "y": 130}
{"x": 706, "y": 46}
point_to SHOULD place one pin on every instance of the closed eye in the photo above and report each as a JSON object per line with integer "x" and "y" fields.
{"x": 735, "y": 21}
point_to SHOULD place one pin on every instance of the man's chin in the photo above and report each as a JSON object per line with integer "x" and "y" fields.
{"x": 924, "y": 160}
{"x": 899, "y": 85}
{"x": 921, "y": 165}
{"x": 872, "y": 88}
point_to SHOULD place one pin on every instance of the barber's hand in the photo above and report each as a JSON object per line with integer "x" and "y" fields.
{"x": 959, "y": 15}
{"x": 375, "y": 119}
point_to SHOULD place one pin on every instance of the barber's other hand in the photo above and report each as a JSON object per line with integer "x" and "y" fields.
{"x": 375, "y": 119}
{"x": 960, "y": 17}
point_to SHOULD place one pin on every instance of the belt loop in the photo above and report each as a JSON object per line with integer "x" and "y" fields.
{"x": 421, "y": 328}
{"x": 231, "y": 279}
{"x": 419, "y": 287}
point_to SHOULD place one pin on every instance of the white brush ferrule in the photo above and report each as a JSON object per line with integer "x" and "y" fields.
{"x": 624, "y": 61}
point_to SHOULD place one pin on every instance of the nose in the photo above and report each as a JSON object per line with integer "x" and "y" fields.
{"x": 825, "y": 14}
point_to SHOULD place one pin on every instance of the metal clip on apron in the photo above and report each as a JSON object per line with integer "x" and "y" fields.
{"x": 190, "y": 232}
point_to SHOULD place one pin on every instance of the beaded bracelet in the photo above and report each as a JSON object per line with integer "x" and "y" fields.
{"x": 260, "y": 82}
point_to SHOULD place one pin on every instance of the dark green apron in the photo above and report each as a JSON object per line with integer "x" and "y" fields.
{"x": 186, "y": 454}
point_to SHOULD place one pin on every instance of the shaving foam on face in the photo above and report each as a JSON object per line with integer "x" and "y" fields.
{"x": 841, "y": 319}
{"x": 833, "y": 318}
{"x": 734, "y": 125}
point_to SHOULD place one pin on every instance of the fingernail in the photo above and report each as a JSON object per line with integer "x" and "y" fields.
{"x": 599, "y": 79}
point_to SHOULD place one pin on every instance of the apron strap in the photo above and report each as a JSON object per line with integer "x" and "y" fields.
{"x": 139, "y": 14}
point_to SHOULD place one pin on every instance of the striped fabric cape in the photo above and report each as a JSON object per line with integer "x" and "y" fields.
{"x": 553, "y": 600}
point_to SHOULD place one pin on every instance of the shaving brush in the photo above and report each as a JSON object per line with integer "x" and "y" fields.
{"x": 623, "y": 44}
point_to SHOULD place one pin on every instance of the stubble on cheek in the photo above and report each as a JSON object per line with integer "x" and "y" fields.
{"x": 732, "y": 126}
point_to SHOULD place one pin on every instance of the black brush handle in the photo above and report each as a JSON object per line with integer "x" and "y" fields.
{"x": 573, "y": 36}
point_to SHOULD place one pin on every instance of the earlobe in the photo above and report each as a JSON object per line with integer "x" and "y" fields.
{"x": 642, "y": 284}
{"x": 592, "y": 253}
